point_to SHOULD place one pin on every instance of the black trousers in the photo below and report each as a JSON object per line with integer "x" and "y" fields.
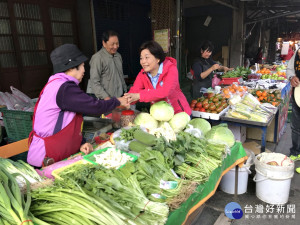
{"x": 295, "y": 126}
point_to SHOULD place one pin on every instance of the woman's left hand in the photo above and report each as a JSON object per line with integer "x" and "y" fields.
{"x": 132, "y": 97}
{"x": 227, "y": 69}
{"x": 86, "y": 148}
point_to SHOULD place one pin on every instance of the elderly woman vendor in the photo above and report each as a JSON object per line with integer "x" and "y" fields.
{"x": 57, "y": 120}
{"x": 158, "y": 79}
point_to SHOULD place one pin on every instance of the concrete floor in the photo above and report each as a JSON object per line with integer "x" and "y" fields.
{"x": 216, "y": 204}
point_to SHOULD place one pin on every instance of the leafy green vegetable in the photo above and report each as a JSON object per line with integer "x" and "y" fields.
{"x": 145, "y": 120}
{"x": 239, "y": 71}
{"x": 201, "y": 124}
{"x": 179, "y": 121}
{"x": 127, "y": 134}
{"x": 221, "y": 134}
{"x": 162, "y": 111}
{"x": 119, "y": 188}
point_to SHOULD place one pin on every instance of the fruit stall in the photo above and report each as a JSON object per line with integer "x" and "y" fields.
{"x": 168, "y": 167}
{"x": 267, "y": 88}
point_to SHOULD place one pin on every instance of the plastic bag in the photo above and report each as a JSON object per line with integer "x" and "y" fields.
{"x": 215, "y": 81}
{"x": 194, "y": 131}
{"x": 47, "y": 171}
{"x": 21, "y": 95}
{"x": 2, "y": 102}
{"x": 17, "y": 103}
{"x": 122, "y": 144}
{"x": 7, "y": 102}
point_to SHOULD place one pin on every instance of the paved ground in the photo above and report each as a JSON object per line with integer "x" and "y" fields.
{"x": 216, "y": 204}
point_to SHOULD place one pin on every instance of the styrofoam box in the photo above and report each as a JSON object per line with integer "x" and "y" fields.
{"x": 239, "y": 132}
{"x": 211, "y": 116}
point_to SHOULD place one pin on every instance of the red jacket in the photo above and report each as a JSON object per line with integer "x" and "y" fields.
{"x": 167, "y": 88}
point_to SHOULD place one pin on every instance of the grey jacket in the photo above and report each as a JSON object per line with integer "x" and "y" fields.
{"x": 106, "y": 74}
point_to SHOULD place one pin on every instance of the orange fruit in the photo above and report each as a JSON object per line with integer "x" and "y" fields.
{"x": 226, "y": 91}
{"x": 240, "y": 89}
{"x": 258, "y": 93}
{"x": 264, "y": 94}
{"x": 235, "y": 87}
{"x": 261, "y": 98}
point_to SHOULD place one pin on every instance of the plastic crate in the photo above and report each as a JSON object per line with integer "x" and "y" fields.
{"x": 18, "y": 124}
{"x": 230, "y": 80}
{"x": 55, "y": 173}
{"x": 90, "y": 157}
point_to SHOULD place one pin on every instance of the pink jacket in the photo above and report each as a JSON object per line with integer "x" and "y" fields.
{"x": 167, "y": 88}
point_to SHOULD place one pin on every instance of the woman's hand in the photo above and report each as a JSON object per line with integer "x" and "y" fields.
{"x": 295, "y": 81}
{"x": 132, "y": 97}
{"x": 226, "y": 69}
{"x": 124, "y": 102}
{"x": 86, "y": 148}
{"x": 215, "y": 66}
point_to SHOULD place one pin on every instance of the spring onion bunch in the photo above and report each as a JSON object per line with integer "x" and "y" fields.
{"x": 19, "y": 167}
{"x": 14, "y": 208}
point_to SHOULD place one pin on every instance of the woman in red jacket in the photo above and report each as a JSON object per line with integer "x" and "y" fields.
{"x": 158, "y": 79}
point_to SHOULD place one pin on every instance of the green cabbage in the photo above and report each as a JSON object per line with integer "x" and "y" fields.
{"x": 221, "y": 134}
{"x": 145, "y": 120}
{"x": 201, "y": 124}
{"x": 162, "y": 111}
{"x": 179, "y": 121}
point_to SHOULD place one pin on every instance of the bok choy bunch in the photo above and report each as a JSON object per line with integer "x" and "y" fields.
{"x": 119, "y": 188}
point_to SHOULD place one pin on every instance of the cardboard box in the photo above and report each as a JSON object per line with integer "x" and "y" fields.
{"x": 239, "y": 132}
{"x": 256, "y": 133}
{"x": 254, "y": 147}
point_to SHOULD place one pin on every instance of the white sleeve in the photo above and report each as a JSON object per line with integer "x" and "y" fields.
{"x": 290, "y": 70}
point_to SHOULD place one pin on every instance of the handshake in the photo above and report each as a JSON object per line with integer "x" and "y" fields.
{"x": 129, "y": 98}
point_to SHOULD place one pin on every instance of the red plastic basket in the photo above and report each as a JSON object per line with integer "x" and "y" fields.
{"x": 230, "y": 80}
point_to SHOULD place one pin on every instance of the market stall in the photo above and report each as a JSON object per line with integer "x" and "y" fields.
{"x": 267, "y": 84}
{"x": 159, "y": 168}
{"x": 207, "y": 190}
{"x": 254, "y": 124}
{"x": 163, "y": 175}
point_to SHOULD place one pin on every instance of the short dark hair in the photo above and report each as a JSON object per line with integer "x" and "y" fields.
{"x": 207, "y": 45}
{"x": 109, "y": 33}
{"x": 155, "y": 49}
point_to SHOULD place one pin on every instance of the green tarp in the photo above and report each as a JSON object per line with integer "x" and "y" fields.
{"x": 178, "y": 216}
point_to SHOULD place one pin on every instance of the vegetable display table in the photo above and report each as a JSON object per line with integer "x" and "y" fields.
{"x": 204, "y": 191}
{"x": 277, "y": 127}
{"x": 255, "y": 124}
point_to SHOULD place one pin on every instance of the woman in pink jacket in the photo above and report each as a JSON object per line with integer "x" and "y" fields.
{"x": 158, "y": 79}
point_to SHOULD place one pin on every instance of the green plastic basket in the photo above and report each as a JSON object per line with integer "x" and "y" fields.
{"x": 90, "y": 157}
{"x": 18, "y": 124}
